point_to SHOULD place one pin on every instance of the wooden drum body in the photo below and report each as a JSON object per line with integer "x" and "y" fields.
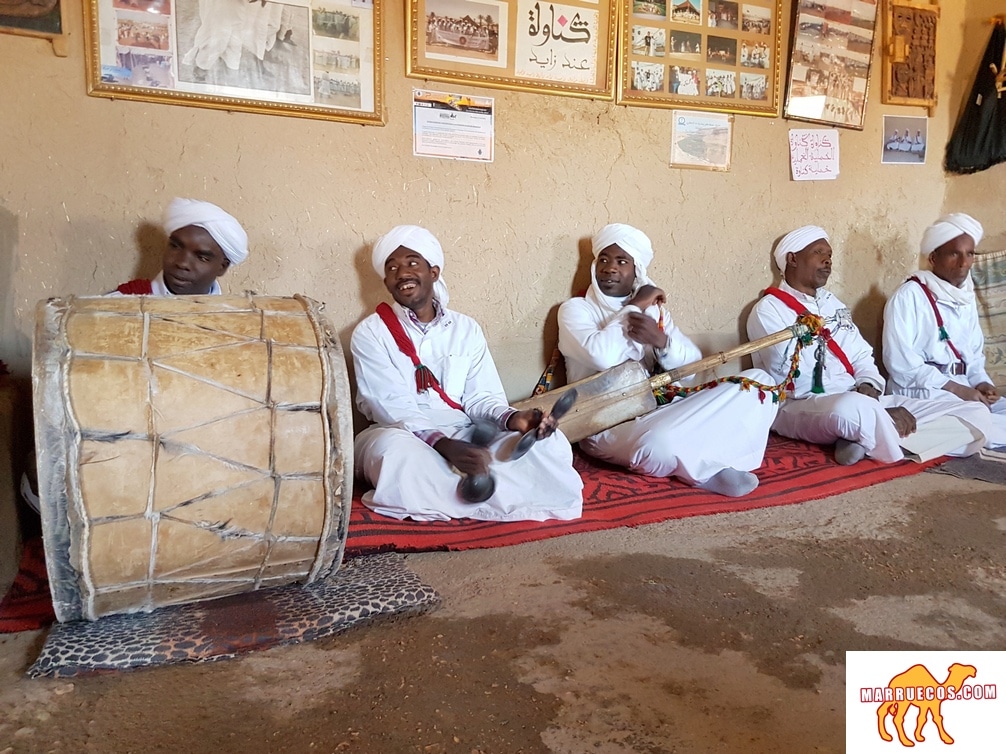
{"x": 188, "y": 448}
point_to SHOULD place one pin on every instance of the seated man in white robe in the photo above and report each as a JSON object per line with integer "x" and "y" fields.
{"x": 933, "y": 344}
{"x": 713, "y": 439}
{"x": 837, "y": 394}
{"x": 426, "y": 386}
{"x": 203, "y": 242}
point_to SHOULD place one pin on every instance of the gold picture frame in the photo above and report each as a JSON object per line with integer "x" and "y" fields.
{"x": 910, "y": 52}
{"x": 317, "y": 59}
{"x": 44, "y": 20}
{"x": 712, "y": 55}
{"x": 830, "y": 56}
{"x": 563, "y": 47}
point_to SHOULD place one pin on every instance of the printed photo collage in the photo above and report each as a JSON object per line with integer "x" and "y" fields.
{"x": 702, "y": 48}
{"x": 293, "y": 53}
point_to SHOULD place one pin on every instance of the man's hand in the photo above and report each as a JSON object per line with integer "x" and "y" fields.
{"x": 523, "y": 421}
{"x": 966, "y": 393}
{"x": 643, "y": 329}
{"x": 904, "y": 422}
{"x": 988, "y": 391}
{"x": 647, "y": 296}
{"x": 867, "y": 389}
{"x": 465, "y": 457}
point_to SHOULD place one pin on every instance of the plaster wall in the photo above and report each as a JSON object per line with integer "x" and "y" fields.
{"x": 83, "y": 182}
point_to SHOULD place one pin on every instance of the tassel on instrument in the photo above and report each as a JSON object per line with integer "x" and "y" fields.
{"x": 818, "y": 382}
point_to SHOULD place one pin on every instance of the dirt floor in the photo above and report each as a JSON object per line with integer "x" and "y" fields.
{"x": 712, "y": 634}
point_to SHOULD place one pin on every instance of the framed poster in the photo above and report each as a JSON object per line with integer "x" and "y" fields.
{"x": 714, "y": 55}
{"x": 701, "y": 141}
{"x": 36, "y": 18}
{"x": 910, "y": 52}
{"x": 829, "y": 72}
{"x": 525, "y": 45}
{"x": 307, "y": 58}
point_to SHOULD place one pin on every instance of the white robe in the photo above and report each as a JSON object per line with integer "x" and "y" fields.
{"x": 413, "y": 480}
{"x": 692, "y": 438}
{"x": 840, "y": 412}
{"x": 919, "y": 363}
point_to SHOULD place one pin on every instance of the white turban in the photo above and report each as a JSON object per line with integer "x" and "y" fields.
{"x": 226, "y": 231}
{"x": 796, "y": 241}
{"x": 632, "y": 241}
{"x": 418, "y": 240}
{"x": 947, "y": 228}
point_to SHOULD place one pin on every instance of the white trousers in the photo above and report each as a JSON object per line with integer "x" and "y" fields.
{"x": 412, "y": 480}
{"x": 996, "y": 436}
{"x": 693, "y": 438}
{"x": 823, "y": 419}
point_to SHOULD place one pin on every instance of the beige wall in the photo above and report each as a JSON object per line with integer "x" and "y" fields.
{"x": 82, "y": 179}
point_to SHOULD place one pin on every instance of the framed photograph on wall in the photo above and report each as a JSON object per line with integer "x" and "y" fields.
{"x": 829, "y": 72}
{"x": 701, "y": 141}
{"x": 36, "y": 18}
{"x": 307, "y": 58}
{"x": 713, "y": 55}
{"x": 525, "y": 45}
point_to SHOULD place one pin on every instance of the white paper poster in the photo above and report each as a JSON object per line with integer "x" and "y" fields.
{"x": 813, "y": 154}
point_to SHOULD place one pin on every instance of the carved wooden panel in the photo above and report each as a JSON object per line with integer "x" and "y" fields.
{"x": 910, "y": 52}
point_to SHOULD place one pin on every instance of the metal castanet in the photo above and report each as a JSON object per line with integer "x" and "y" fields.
{"x": 624, "y": 392}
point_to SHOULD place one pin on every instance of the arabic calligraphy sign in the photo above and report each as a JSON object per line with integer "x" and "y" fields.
{"x": 561, "y": 47}
{"x": 813, "y": 154}
{"x": 712, "y": 55}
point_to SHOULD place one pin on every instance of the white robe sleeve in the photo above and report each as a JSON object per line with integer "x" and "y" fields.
{"x": 483, "y": 395}
{"x": 860, "y": 355}
{"x": 680, "y": 349}
{"x": 909, "y": 329}
{"x": 601, "y": 345}
{"x": 769, "y": 316}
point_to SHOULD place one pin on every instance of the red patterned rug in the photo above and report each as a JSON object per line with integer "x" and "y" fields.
{"x": 28, "y": 605}
{"x": 793, "y": 472}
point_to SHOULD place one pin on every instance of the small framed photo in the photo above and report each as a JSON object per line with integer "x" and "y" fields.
{"x": 830, "y": 54}
{"x": 701, "y": 140}
{"x": 524, "y": 45}
{"x": 905, "y": 140}
{"x": 36, "y": 18}
{"x": 308, "y": 58}
{"x": 711, "y": 55}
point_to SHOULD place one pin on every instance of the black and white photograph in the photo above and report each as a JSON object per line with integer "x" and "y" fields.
{"x": 755, "y": 19}
{"x": 242, "y": 45}
{"x": 647, "y": 77}
{"x": 904, "y": 140}
{"x": 649, "y": 41}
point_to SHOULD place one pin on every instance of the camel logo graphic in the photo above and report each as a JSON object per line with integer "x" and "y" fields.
{"x": 917, "y": 687}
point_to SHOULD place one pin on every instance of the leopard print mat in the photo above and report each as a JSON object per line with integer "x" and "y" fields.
{"x": 363, "y": 589}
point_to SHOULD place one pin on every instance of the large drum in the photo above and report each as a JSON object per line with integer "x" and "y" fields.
{"x": 188, "y": 448}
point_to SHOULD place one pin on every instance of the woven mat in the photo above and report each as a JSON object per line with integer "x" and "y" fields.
{"x": 362, "y": 590}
